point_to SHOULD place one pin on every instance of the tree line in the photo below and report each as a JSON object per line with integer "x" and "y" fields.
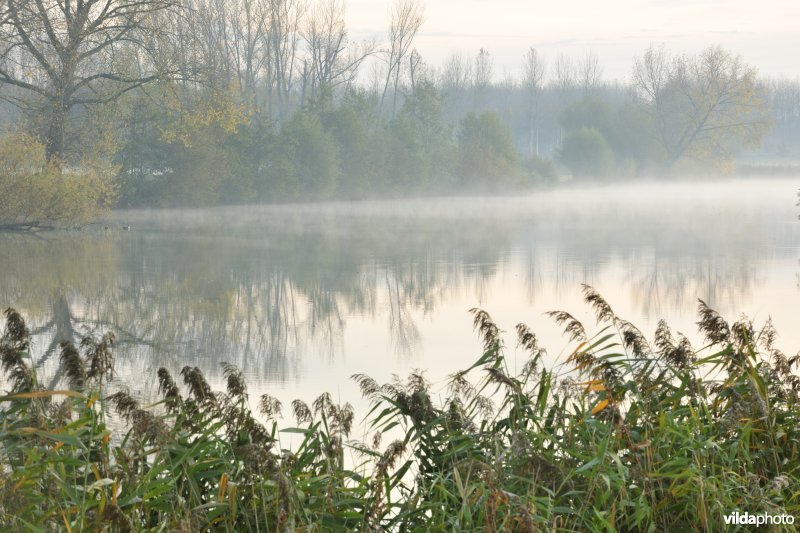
{"x": 197, "y": 102}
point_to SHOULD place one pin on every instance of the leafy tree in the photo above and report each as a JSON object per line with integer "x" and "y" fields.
{"x": 63, "y": 55}
{"x": 421, "y": 146}
{"x": 586, "y": 153}
{"x": 357, "y": 148}
{"x": 703, "y": 107}
{"x": 307, "y": 164}
{"x": 626, "y": 130}
{"x": 187, "y": 148}
{"x": 487, "y": 153}
{"x": 630, "y": 138}
{"x": 591, "y": 112}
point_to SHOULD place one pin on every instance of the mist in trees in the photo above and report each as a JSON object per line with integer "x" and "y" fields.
{"x": 199, "y": 102}
{"x": 60, "y": 55}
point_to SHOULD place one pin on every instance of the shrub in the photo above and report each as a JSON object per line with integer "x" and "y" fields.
{"x": 540, "y": 169}
{"x": 586, "y": 154}
{"x": 38, "y": 193}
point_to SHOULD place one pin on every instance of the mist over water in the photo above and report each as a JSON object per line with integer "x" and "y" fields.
{"x": 300, "y": 297}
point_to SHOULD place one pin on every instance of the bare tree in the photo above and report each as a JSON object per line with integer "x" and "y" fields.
{"x": 248, "y": 44}
{"x": 563, "y": 75}
{"x": 456, "y": 73}
{"x": 333, "y": 61}
{"x": 533, "y": 69}
{"x": 589, "y": 72}
{"x": 484, "y": 67}
{"x": 64, "y": 54}
{"x": 283, "y": 36}
{"x": 416, "y": 69}
{"x": 406, "y": 21}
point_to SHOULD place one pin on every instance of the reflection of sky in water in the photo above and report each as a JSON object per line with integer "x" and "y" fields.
{"x": 302, "y": 297}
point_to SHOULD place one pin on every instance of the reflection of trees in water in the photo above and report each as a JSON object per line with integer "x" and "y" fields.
{"x": 673, "y": 284}
{"x": 260, "y": 304}
{"x": 42, "y": 276}
{"x": 670, "y": 255}
{"x": 555, "y": 270}
{"x": 402, "y": 329}
{"x": 272, "y": 294}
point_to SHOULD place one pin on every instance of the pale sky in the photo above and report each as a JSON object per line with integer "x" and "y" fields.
{"x": 765, "y": 32}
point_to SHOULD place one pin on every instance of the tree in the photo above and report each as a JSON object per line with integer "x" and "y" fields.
{"x": 564, "y": 75}
{"x": 421, "y": 147}
{"x": 586, "y": 153}
{"x": 625, "y": 130}
{"x": 307, "y": 162}
{"x": 406, "y": 21}
{"x": 702, "y": 107}
{"x": 456, "y": 73}
{"x": 590, "y": 113}
{"x": 487, "y": 150}
{"x": 484, "y": 67}
{"x": 590, "y": 73}
{"x": 64, "y": 54}
{"x": 332, "y": 62}
{"x": 355, "y": 144}
{"x": 532, "y": 79}
{"x": 283, "y": 35}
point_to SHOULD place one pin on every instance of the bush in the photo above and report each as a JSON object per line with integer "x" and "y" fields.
{"x": 36, "y": 193}
{"x": 540, "y": 169}
{"x": 586, "y": 154}
{"x": 488, "y": 156}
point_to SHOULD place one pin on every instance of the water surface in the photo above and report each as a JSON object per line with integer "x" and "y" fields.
{"x": 302, "y": 296}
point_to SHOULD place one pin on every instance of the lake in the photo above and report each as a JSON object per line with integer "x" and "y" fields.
{"x": 301, "y": 297}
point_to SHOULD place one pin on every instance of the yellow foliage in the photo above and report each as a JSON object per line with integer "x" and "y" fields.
{"x": 197, "y": 112}
{"x": 600, "y": 406}
{"x": 37, "y": 192}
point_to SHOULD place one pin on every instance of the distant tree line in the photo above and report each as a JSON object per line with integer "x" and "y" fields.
{"x": 197, "y": 102}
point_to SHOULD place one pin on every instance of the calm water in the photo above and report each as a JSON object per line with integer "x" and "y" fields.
{"x": 301, "y": 297}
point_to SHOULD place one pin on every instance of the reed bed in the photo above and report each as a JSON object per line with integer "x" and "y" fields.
{"x": 626, "y": 434}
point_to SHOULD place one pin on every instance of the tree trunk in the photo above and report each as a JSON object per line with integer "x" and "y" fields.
{"x": 56, "y": 132}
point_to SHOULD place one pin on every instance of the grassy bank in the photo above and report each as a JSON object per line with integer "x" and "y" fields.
{"x": 639, "y": 436}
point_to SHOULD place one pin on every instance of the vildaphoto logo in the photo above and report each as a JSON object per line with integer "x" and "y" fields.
{"x": 764, "y": 519}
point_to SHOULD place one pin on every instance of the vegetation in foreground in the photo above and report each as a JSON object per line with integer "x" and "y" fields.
{"x": 631, "y": 435}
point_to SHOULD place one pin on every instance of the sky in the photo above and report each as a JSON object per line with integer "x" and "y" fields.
{"x": 765, "y": 32}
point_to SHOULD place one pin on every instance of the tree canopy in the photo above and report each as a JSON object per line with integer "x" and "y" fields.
{"x": 62, "y": 54}
{"x": 704, "y": 107}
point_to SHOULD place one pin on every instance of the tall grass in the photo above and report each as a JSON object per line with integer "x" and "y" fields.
{"x": 624, "y": 435}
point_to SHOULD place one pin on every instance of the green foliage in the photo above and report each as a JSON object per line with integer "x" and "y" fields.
{"x": 195, "y": 149}
{"x": 307, "y": 158}
{"x": 36, "y": 193}
{"x": 627, "y": 131}
{"x": 420, "y": 148}
{"x": 587, "y": 154}
{"x": 624, "y": 435}
{"x": 356, "y": 148}
{"x": 540, "y": 169}
{"x": 487, "y": 153}
{"x": 590, "y": 112}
